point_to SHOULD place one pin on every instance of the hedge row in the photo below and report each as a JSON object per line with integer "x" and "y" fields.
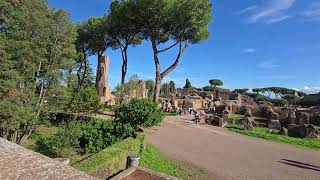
{"x": 113, "y": 159}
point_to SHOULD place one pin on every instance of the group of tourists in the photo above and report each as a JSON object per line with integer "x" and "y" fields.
{"x": 196, "y": 115}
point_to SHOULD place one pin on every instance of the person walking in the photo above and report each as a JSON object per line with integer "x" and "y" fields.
{"x": 196, "y": 117}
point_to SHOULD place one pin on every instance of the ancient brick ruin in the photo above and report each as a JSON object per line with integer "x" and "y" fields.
{"x": 214, "y": 108}
{"x": 292, "y": 121}
{"x": 103, "y": 88}
{"x": 224, "y": 102}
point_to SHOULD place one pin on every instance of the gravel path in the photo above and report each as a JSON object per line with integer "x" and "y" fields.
{"x": 233, "y": 156}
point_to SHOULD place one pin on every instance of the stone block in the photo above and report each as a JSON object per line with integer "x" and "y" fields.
{"x": 274, "y": 124}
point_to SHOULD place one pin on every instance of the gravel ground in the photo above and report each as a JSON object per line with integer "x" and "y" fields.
{"x": 233, "y": 156}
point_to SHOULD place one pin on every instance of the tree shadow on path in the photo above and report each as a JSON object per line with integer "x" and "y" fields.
{"x": 300, "y": 164}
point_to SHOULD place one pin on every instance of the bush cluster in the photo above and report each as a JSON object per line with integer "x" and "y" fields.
{"x": 279, "y": 102}
{"x": 61, "y": 143}
{"x": 89, "y": 137}
{"x": 139, "y": 113}
{"x": 98, "y": 135}
{"x": 112, "y": 159}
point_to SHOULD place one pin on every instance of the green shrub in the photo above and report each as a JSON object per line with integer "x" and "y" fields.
{"x": 218, "y": 89}
{"x": 84, "y": 100}
{"x": 65, "y": 139}
{"x": 258, "y": 97}
{"x": 140, "y": 112}
{"x": 98, "y": 134}
{"x": 279, "y": 102}
{"x": 112, "y": 159}
{"x": 89, "y": 137}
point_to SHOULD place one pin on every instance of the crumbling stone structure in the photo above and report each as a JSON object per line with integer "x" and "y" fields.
{"x": 291, "y": 122}
{"x": 103, "y": 88}
{"x": 225, "y": 102}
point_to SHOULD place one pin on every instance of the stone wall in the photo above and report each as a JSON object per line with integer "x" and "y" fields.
{"x": 17, "y": 162}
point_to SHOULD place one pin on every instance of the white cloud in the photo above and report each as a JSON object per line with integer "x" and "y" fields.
{"x": 248, "y": 9}
{"x": 312, "y": 12}
{"x": 249, "y": 51}
{"x": 277, "y": 19}
{"x": 309, "y": 89}
{"x": 268, "y": 65}
{"x": 271, "y": 12}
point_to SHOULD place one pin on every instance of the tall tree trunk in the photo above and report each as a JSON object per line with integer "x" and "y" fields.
{"x": 84, "y": 75}
{"x": 37, "y": 75}
{"x": 98, "y": 72}
{"x": 124, "y": 64}
{"x": 41, "y": 94}
{"x": 158, "y": 71}
{"x": 159, "y": 75}
{"x": 79, "y": 75}
{"x": 41, "y": 103}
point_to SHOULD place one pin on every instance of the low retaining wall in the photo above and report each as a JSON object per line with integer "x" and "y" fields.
{"x": 113, "y": 159}
{"x": 17, "y": 162}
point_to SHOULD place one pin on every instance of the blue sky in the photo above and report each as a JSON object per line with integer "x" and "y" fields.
{"x": 253, "y": 43}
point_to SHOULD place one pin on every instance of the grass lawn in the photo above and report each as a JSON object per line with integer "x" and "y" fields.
{"x": 236, "y": 116}
{"x": 260, "y": 121}
{"x": 263, "y": 133}
{"x": 170, "y": 113}
{"x": 152, "y": 158}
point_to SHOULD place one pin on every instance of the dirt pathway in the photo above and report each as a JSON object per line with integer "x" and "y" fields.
{"x": 233, "y": 156}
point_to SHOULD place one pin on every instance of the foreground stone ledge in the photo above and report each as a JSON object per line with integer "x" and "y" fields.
{"x": 151, "y": 175}
{"x": 17, "y": 162}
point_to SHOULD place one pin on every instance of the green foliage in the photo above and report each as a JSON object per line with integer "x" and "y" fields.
{"x": 292, "y": 99}
{"x": 280, "y": 102}
{"x": 188, "y": 84}
{"x": 256, "y": 90}
{"x": 124, "y": 90}
{"x": 310, "y": 100}
{"x": 98, "y": 134}
{"x": 36, "y": 49}
{"x": 279, "y": 92}
{"x": 151, "y": 158}
{"x": 65, "y": 140}
{"x": 84, "y": 100}
{"x": 140, "y": 112}
{"x": 112, "y": 159}
{"x": 94, "y": 36}
{"x": 215, "y": 82}
{"x": 217, "y": 89}
{"x": 17, "y": 116}
{"x": 182, "y": 21}
{"x": 264, "y": 134}
{"x": 150, "y": 86}
{"x": 89, "y": 137}
{"x": 236, "y": 116}
{"x": 168, "y": 88}
{"x": 240, "y": 91}
{"x": 123, "y": 31}
{"x": 258, "y": 97}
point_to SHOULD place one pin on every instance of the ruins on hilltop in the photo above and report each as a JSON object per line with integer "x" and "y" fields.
{"x": 215, "y": 107}
{"x": 223, "y": 101}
